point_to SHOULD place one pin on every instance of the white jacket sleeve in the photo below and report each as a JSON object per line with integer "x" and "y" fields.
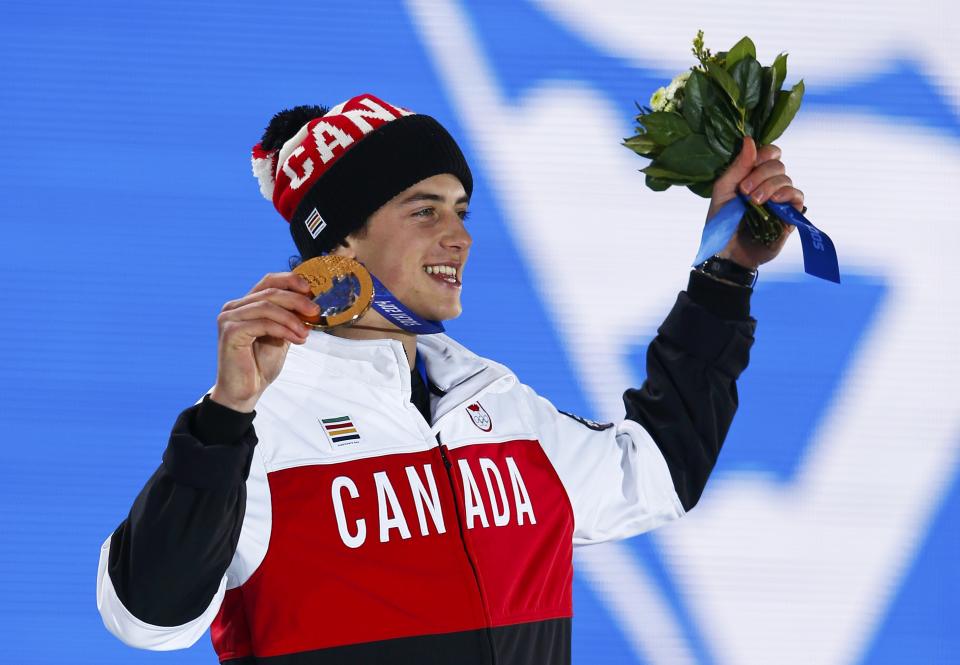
{"x": 136, "y": 633}
{"x": 615, "y": 476}
{"x": 654, "y": 465}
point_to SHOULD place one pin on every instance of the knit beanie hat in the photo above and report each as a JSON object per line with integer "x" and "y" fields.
{"x": 327, "y": 170}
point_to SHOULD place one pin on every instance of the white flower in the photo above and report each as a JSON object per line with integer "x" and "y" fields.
{"x": 672, "y": 105}
{"x": 658, "y": 101}
{"x": 675, "y": 89}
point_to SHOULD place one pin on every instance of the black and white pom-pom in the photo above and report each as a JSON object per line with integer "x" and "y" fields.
{"x": 283, "y": 126}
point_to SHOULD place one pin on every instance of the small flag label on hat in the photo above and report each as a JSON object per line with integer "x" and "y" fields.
{"x": 315, "y": 224}
{"x": 341, "y": 431}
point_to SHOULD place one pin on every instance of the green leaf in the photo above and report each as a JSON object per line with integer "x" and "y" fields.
{"x": 665, "y": 127}
{"x": 780, "y": 71}
{"x": 725, "y": 124}
{"x": 740, "y": 50}
{"x": 749, "y": 76}
{"x": 721, "y": 136}
{"x": 704, "y": 189}
{"x": 673, "y": 177}
{"x": 716, "y": 143}
{"x": 726, "y": 110}
{"x": 691, "y": 157}
{"x": 725, "y": 81}
{"x": 784, "y": 110}
{"x": 698, "y": 94}
{"x": 657, "y": 185}
{"x": 768, "y": 96}
{"x": 641, "y": 144}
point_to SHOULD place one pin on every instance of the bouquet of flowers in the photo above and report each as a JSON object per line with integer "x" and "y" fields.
{"x": 693, "y": 128}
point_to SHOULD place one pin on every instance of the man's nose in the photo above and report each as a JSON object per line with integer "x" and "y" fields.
{"x": 457, "y": 237}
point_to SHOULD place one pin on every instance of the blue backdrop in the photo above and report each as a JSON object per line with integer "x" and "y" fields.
{"x": 130, "y": 215}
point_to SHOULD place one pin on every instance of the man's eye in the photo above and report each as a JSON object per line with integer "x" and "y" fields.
{"x": 424, "y": 212}
{"x": 464, "y": 215}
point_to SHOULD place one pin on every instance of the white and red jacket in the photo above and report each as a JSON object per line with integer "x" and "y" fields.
{"x": 343, "y": 526}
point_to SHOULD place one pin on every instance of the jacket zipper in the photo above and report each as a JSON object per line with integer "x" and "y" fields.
{"x": 448, "y": 467}
{"x": 463, "y": 541}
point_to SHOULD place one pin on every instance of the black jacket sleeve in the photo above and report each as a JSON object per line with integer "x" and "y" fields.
{"x": 168, "y": 557}
{"x": 689, "y": 398}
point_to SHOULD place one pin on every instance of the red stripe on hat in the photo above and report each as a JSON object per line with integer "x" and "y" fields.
{"x": 259, "y": 152}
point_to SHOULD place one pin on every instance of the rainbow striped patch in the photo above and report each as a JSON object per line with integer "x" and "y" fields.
{"x": 341, "y": 431}
{"x": 315, "y": 224}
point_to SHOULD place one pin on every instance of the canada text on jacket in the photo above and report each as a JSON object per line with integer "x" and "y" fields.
{"x": 505, "y": 499}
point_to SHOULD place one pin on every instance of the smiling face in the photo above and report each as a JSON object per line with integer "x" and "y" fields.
{"x": 417, "y": 245}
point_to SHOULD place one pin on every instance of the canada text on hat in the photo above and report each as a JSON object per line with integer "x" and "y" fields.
{"x": 304, "y": 158}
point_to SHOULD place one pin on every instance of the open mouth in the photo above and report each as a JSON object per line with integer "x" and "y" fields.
{"x": 444, "y": 274}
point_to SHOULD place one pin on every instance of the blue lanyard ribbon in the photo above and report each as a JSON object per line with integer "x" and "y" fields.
{"x": 394, "y": 311}
{"x": 819, "y": 254}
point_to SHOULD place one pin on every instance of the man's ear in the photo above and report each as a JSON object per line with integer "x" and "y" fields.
{"x": 347, "y": 247}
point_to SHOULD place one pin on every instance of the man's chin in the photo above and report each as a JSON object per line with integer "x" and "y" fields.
{"x": 451, "y": 316}
{"x": 447, "y": 313}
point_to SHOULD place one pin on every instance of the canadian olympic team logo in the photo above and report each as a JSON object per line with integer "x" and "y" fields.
{"x": 480, "y": 417}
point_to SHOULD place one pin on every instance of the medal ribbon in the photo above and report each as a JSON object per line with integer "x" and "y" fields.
{"x": 398, "y": 314}
{"x": 819, "y": 254}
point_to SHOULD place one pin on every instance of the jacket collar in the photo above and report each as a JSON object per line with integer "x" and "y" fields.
{"x": 461, "y": 374}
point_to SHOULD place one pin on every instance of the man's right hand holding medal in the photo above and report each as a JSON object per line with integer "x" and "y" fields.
{"x": 254, "y": 333}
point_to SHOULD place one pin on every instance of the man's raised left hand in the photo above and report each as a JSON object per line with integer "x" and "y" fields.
{"x": 763, "y": 177}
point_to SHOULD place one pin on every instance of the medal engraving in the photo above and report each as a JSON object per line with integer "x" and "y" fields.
{"x": 340, "y": 286}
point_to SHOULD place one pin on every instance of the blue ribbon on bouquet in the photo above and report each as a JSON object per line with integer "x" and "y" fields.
{"x": 819, "y": 254}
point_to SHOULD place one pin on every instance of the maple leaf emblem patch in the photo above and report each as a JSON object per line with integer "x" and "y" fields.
{"x": 480, "y": 417}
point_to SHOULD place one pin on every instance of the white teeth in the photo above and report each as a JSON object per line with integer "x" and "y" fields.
{"x": 441, "y": 270}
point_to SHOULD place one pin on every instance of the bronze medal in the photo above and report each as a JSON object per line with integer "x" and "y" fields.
{"x": 341, "y": 286}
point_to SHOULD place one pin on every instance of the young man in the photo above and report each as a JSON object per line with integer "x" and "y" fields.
{"x": 375, "y": 495}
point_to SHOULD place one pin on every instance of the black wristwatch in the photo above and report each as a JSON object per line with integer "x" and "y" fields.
{"x": 728, "y": 271}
